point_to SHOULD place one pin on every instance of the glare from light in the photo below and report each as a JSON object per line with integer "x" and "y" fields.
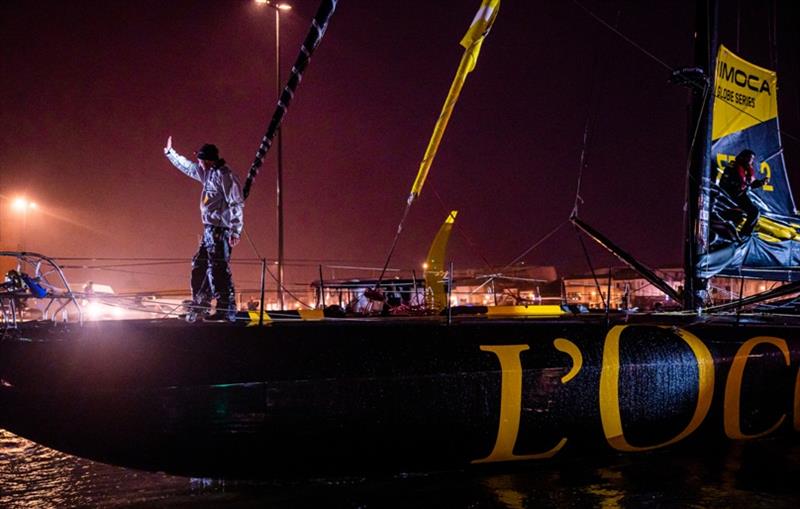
{"x": 425, "y": 265}
{"x": 94, "y": 310}
{"x": 281, "y": 6}
{"x": 19, "y": 204}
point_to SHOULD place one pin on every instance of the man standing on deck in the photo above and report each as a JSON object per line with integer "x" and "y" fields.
{"x": 221, "y": 205}
{"x": 736, "y": 180}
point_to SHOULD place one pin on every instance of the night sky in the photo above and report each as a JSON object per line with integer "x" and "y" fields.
{"x": 91, "y": 90}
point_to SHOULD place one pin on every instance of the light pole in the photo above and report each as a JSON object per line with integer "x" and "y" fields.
{"x": 22, "y": 206}
{"x": 278, "y": 7}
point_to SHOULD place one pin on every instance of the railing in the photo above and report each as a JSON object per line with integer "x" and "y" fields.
{"x": 34, "y": 276}
{"x": 153, "y": 289}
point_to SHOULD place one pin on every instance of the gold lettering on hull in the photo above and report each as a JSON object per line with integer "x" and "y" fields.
{"x": 733, "y": 387}
{"x": 610, "y": 413}
{"x": 571, "y": 349}
{"x": 609, "y": 398}
{"x": 511, "y": 407}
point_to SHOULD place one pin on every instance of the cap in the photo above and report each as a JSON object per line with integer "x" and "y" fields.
{"x": 208, "y": 152}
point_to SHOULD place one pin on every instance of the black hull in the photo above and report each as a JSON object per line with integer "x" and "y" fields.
{"x": 340, "y": 397}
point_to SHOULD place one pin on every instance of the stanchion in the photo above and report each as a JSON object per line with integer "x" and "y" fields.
{"x": 263, "y": 283}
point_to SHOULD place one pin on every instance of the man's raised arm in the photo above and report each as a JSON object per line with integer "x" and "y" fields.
{"x": 186, "y": 166}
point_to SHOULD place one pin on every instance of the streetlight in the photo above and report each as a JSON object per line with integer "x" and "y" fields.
{"x": 21, "y": 205}
{"x": 278, "y": 7}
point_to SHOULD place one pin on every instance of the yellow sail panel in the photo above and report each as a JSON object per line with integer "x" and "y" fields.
{"x": 434, "y": 264}
{"x": 482, "y": 22}
{"x": 745, "y": 95}
{"x": 474, "y": 37}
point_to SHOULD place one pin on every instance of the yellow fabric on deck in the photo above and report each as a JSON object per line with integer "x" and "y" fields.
{"x": 544, "y": 310}
{"x": 776, "y": 229}
{"x": 311, "y": 314}
{"x": 254, "y": 317}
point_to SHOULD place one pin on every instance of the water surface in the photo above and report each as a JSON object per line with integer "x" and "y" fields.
{"x": 759, "y": 474}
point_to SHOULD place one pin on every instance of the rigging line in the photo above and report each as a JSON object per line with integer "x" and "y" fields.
{"x": 119, "y": 265}
{"x": 773, "y": 56}
{"x": 772, "y": 25}
{"x": 591, "y": 118}
{"x": 252, "y": 244}
{"x": 117, "y": 259}
{"x": 589, "y": 262}
{"x": 581, "y": 165}
{"x": 689, "y": 179}
{"x": 738, "y": 23}
{"x": 623, "y": 36}
{"x": 313, "y": 262}
{"x": 709, "y": 42}
{"x": 242, "y": 261}
{"x": 355, "y": 267}
{"x": 283, "y": 287}
{"x": 473, "y": 246}
{"x": 535, "y": 245}
{"x": 394, "y": 242}
{"x": 139, "y": 272}
{"x": 741, "y": 295}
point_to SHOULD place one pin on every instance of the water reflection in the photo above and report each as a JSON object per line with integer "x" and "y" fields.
{"x": 758, "y": 474}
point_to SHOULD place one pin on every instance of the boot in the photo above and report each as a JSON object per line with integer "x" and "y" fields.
{"x": 197, "y": 311}
{"x": 222, "y": 314}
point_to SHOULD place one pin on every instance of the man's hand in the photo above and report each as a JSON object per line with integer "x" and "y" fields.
{"x": 169, "y": 145}
{"x": 235, "y": 240}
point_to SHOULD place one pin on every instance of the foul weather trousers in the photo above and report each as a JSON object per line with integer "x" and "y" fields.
{"x": 749, "y": 208}
{"x": 211, "y": 271}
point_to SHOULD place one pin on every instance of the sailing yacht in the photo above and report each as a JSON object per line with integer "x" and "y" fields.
{"x": 327, "y": 394}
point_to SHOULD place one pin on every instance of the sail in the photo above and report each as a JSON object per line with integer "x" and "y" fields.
{"x": 435, "y": 270}
{"x": 472, "y": 42}
{"x": 745, "y": 117}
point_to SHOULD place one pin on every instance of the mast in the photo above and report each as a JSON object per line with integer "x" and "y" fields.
{"x": 696, "y": 235}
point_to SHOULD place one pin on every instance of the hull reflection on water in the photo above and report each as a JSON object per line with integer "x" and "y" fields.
{"x": 755, "y": 474}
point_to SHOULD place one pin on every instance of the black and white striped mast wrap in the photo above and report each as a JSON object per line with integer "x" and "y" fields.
{"x": 318, "y": 26}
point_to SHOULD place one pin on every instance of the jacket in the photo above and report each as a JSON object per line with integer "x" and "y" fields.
{"x": 221, "y": 201}
{"x": 737, "y": 178}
